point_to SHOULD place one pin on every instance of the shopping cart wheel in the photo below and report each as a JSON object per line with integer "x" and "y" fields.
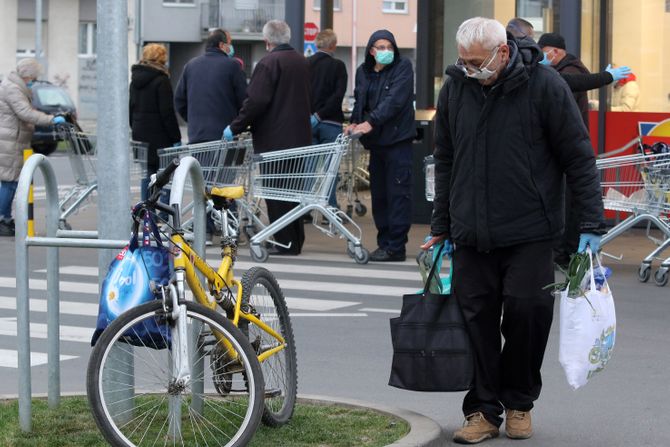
{"x": 661, "y": 277}
{"x": 361, "y": 255}
{"x": 644, "y": 272}
{"x": 258, "y": 253}
{"x": 63, "y": 225}
{"x": 360, "y": 209}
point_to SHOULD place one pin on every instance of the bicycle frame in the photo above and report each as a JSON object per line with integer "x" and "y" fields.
{"x": 187, "y": 260}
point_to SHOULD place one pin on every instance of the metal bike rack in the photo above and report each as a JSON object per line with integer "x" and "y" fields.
{"x": 65, "y": 238}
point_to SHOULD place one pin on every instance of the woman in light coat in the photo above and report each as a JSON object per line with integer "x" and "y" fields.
{"x": 18, "y": 119}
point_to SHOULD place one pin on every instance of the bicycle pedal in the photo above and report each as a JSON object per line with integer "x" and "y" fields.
{"x": 272, "y": 392}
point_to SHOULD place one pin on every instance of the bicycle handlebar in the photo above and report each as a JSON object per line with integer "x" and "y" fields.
{"x": 162, "y": 179}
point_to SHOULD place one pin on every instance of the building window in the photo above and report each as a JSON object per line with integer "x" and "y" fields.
{"x": 395, "y": 7}
{"x": 337, "y": 5}
{"x": 178, "y": 2}
{"x": 87, "y": 39}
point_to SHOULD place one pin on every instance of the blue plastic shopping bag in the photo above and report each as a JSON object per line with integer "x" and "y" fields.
{"x": 129, "y": 284}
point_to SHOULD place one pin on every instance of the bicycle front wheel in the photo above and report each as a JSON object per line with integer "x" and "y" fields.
{"x": 262, "y": 297}
{"x": 138, "y": 399}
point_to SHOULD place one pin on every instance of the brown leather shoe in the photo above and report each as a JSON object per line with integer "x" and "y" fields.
{"x": 475, "y": 430}
{"x": 518, "y": 424}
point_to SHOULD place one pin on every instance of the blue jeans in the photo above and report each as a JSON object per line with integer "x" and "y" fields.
{"x": 322, "y": 133}
{"x": 7, "y": 192}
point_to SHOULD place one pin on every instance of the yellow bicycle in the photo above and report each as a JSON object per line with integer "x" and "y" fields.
{"x": 158, "y": 390}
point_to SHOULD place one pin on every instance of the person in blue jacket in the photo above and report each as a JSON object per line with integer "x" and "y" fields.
{"x": 384, "y": 115}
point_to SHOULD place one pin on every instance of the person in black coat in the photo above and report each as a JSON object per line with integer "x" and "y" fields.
{"x": 328, "y": 77}
{"x": 384, "y": 115}
{"x": 211, "y": 89}
{"x": 507, "y": 130}
{"x": 151, "y": 110}
{"x": 277, "y": 109}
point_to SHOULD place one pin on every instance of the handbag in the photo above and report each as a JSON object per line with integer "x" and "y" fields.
{"x": 431, "y": 346}
{"x": 131, "y": 280}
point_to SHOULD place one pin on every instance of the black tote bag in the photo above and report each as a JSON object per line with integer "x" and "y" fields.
{"x": 431, "y": 346}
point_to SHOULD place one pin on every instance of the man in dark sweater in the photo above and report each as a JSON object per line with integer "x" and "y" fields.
{"x": 277, "y": 109}
{"x": 329, "y": 84}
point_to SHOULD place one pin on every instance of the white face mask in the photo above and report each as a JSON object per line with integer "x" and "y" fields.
{"x": 481, "y": 73}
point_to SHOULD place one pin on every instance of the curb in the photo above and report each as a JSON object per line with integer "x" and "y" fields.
{"x": 423, "y": 432}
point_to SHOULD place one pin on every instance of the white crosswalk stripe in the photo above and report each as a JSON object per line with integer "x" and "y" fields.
{"x": 340, "y": 290}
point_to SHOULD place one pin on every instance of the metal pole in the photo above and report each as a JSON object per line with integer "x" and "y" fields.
{"x": 354, "y": 48}
{"x": 38, "y": 30}
{"x": 112, "y": 165}
{"x": 425, "y": 63}
{"x": 294, "y": 12}
{"x": 603, "y": 56}
{"x": 22, "y": 286}
{"x": 570, "y": 27}
{"x": 326, "y": 14}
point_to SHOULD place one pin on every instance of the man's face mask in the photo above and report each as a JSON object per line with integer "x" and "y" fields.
{"x": 231, "y": 51}
{"x": 384, "y": 57}
{"x": 482, "y": 72}
{"x": 546, "y": 60}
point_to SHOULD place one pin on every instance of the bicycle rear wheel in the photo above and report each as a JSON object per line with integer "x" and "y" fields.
{"x": 264, "y": 298}
{"x": 136, "y": 399}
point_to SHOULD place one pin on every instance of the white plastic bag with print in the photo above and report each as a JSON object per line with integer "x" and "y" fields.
{"x": 587, "y": 330}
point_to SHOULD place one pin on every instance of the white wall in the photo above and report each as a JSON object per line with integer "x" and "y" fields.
{"x": 8, "y": 25}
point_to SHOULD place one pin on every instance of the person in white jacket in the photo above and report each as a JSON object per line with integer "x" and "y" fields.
{"x": 625, "y": 94}
{"x": 18, "y": 119}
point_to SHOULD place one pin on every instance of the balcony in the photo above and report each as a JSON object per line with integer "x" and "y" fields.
{"x": 241, "y": 16}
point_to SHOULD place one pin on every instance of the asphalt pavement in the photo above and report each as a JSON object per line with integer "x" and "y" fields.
{"x": 340, "y": 312}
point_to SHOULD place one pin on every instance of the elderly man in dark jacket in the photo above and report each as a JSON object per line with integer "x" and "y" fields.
{"x": 211, "y": 90}
{"x": 384, "y": 115}
{"x": 507, "y": 130}
{"x": 278, "y": 109}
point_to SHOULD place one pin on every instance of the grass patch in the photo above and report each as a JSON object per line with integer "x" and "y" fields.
{"x": 312, "y": 425}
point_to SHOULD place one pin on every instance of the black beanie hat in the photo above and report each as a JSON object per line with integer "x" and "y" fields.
{"x": 551, "y": 40}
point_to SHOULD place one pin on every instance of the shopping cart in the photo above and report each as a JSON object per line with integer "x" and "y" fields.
{"x": 81, "y": 150}
{"x": 304, "y": 176}
{"x": 222, "y": 163}
{"x": 353, "y": 174}
{"x": 639, "y": 185}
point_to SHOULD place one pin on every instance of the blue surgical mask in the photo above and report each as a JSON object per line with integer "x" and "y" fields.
{"x": 384, "y": 57}
{"x": 231, "y": 53}
{"x": 546, "y": 60}
{"x": 29, "y": 84}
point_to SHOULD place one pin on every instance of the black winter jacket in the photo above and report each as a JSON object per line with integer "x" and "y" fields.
{"x": 151, "y": 113}
{"x": 328, "y": 78}
{"x": 500, "y": 157}
{"x": 571, "y": 65}
{"x": 210, "y": 94}
{"x": 392, "y": 118}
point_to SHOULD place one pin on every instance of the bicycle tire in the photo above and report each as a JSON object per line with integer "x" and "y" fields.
{"x": 229, "y": 421}
{"x": 261, "y": 291}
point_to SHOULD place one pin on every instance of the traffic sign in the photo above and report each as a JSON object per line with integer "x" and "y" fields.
{"x": 311, "y": 30}
{"x": 310, "y": 48}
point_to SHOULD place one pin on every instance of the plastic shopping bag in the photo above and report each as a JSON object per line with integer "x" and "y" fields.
{"x": 587, "y": 329}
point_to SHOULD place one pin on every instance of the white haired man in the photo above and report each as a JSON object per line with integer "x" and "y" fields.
{"x": 278, "y": 110}
{"x": 18, "y": 119}
{"x": 507, "y": 129}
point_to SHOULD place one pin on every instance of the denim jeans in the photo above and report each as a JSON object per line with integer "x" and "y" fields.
{"x": 322, "y": 133}
{"x": 7, "y": 192}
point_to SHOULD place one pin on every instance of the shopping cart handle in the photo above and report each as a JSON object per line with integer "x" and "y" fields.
{"x": 356, "y": 136}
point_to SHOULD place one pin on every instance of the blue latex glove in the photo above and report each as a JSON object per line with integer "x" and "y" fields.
{"x": 590, "y": 239}
{"x": 618, "y": 73}
{"x": 227, "y": 134}
{"x": 58, "y": 120}
{"x": 314, "y": 121}
{"x": 177, "y": 144}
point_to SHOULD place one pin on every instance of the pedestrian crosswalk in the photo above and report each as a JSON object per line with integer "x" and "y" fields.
{"x": 315, "y": 286}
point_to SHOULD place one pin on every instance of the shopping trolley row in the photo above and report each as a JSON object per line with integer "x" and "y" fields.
{"x": 81, "y": 149}
{"x": 637, "y": 185}
{"x": 304, "y": 176}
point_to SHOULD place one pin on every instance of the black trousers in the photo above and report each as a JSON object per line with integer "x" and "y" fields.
{"x": 505, "y": 282}
{"x": 569, "y": 241}
{"x": 293, "y": 233}
{"x": 391, "y": 194}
